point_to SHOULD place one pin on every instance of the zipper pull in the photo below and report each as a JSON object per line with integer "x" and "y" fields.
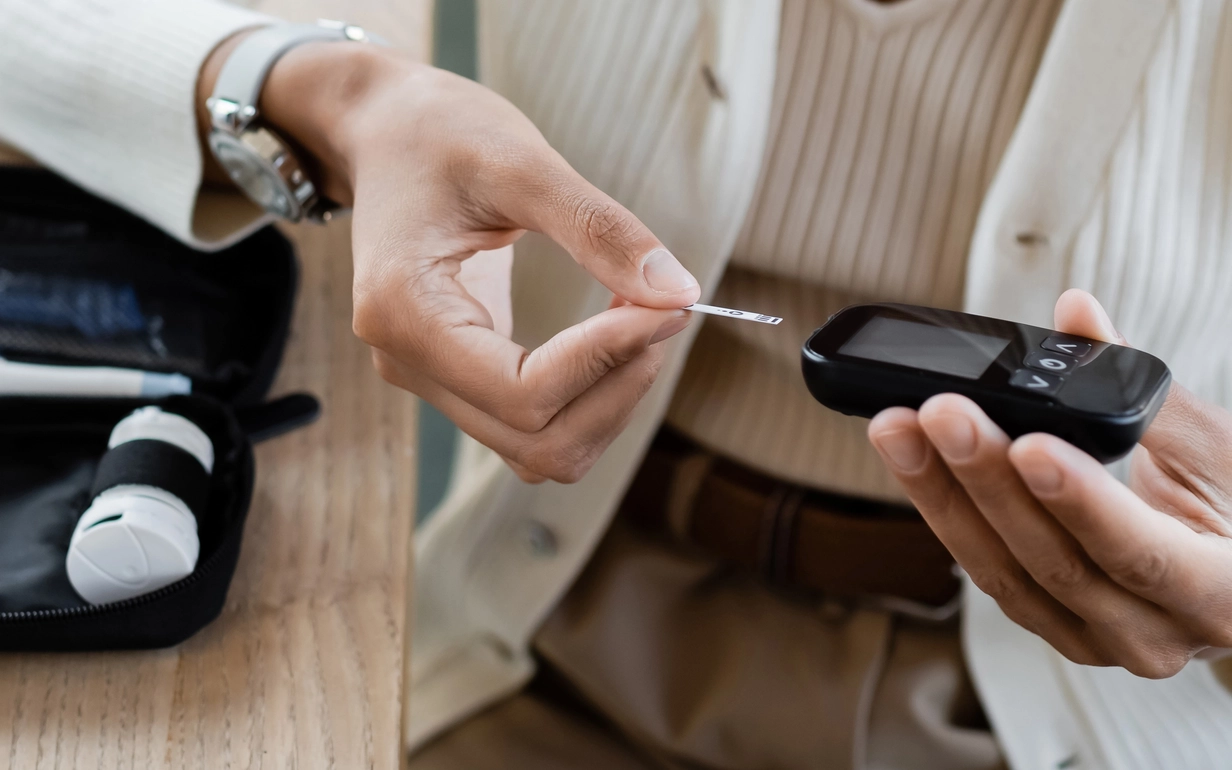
{"x": 282, "y": 415}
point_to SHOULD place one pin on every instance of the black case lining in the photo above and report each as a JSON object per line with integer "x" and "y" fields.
{"x": 235, "y": 304}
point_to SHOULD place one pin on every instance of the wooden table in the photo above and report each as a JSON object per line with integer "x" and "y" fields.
{"x": 305, "y": 667}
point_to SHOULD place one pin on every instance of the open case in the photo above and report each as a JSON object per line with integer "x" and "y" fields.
{"x": 135, "y": 298}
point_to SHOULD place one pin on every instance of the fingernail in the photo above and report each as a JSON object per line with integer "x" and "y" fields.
{"x": 671, "y": 327}
{"x": 1041, "y": 474}
{"x": 665, "y": 274}
{"x": 904, "y": 448}
{"x": 954, "y": 435}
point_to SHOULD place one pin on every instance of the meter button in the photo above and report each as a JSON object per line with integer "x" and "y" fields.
{"x": 1067, "y": 345}
{"x": 1051, "y": 362}
{"x": 1037, "y": 382}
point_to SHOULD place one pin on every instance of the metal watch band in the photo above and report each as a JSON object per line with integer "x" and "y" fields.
{"x": 233, "y": 105}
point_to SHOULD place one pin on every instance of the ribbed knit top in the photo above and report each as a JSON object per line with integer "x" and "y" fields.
{"x": 888, "y": 123}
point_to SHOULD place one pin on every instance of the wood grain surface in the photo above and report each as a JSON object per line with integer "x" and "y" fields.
{"x": 11, "y": 157}
{"x": 305, "y": 667}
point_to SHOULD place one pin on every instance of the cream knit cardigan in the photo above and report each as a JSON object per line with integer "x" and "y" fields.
{"x": 1118, "y": 179}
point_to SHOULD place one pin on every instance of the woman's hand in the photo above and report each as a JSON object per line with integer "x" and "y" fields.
{"x": 437, "y": 169}
{"x": 1137, "y": 576}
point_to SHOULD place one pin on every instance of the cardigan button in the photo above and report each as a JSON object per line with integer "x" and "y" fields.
{"x": 540, "y": 540}
{"x": 713, "y": 84}
{"x": 1030, "y": 239}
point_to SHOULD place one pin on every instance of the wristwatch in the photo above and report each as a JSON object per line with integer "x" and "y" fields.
{"x": 258, "y": 160}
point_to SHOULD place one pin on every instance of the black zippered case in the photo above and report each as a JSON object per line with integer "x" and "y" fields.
{"x": 110, "y": 290}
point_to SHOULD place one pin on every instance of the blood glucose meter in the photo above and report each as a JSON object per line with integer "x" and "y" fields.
{"x": 1098, "y": 396}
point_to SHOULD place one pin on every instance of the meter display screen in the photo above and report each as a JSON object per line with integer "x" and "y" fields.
{"x": 940, "y": 349}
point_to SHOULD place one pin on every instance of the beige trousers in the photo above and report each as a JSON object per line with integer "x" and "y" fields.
{"x": 662, "y": 658}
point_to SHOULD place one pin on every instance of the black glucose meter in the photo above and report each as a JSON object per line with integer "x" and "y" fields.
{"x": 1098, "y": 396}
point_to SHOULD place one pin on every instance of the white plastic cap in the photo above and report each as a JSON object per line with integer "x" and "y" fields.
{"x": 150, "y": 422}
{"x": 133, "y": 539}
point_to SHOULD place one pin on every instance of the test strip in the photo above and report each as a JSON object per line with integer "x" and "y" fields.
{"x": 741, "y": 314}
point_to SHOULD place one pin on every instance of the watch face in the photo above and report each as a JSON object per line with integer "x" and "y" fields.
{"x": 254, "y": 174}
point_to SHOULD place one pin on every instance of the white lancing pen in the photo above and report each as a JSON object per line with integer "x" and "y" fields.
{"x": 22, "y": 379}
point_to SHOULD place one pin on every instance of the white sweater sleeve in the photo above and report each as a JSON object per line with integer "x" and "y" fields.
{"x": 102, "y": 91}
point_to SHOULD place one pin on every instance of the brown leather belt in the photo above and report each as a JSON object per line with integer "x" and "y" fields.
{"x": 793, "y": 536}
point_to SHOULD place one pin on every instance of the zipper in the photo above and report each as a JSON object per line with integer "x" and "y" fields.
{"x": 203, "y": 571}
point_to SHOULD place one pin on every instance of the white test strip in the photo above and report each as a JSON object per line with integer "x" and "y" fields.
{"x": 741, "y": 314}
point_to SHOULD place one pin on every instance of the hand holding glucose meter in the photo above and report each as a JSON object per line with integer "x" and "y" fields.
{"x": 1098, "y": 396}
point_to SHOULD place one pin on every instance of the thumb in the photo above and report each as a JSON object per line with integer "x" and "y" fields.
{"x": 1187, "y": 429}
{"x": 1192, "y": 435}
{"x": 1080, "y": 314}
{"x": 603, "y": 237}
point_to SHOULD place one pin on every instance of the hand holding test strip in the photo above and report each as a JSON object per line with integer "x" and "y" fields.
{"x": 744, "y": 315}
